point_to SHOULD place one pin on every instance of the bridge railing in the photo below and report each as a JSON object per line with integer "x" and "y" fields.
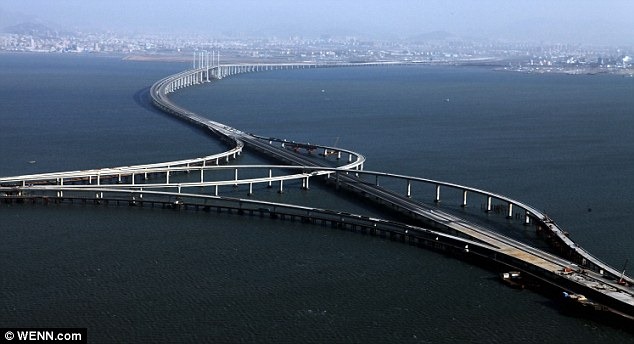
{"x": 159, "y": 93}
{"x": 125, "y": 170}
{"x": 263, "y": 208}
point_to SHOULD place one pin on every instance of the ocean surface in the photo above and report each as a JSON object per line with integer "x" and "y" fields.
{"x": 563, "y": 144}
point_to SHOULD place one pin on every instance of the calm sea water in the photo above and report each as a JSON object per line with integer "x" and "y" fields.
{"x": 560, "y": 143}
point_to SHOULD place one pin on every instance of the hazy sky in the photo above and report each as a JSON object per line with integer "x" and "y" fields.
{"x": 573, "y": 21}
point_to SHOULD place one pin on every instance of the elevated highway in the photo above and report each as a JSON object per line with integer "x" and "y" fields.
{"x": 531, "y": 257}
{"x": 584, "y": 274}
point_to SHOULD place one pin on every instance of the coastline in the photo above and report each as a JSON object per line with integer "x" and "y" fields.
{"x": 626, "y": 72}
{"x": 495, "y": 64}
{"x": 157, "y": 58}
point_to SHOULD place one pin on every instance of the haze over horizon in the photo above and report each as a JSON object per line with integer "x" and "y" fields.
{"x": 565, "y": 21}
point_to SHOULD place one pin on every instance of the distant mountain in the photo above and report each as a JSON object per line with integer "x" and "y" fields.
{"x": 433, "y": 36}
{"x": 9, "y": 18}
{"x": 31, "y": 28}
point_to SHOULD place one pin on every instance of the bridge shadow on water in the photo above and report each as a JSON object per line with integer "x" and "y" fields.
{"x": 142, "y": 98}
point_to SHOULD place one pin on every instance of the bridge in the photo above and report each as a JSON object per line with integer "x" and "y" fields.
{"x": 196, "y": 183}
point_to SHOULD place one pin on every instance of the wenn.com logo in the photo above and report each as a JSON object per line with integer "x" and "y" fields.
{"x": 43, "y": 335}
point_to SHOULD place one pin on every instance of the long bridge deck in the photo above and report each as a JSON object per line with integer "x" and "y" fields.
{"x": 579, "y": 272}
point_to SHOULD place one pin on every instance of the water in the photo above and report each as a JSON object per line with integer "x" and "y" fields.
{"x": 560, "y": 143}
{"x": 76, "y": 112}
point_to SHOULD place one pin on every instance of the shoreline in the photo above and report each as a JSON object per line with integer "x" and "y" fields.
{"x": 495, "y": 64}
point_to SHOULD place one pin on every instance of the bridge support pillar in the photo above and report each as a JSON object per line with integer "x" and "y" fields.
{"x": 510, "y": 213}
{"x": 250, "y": 189}
{"x": 167, "y": 177}
{"x": 270, "y": 176}
{"x": 339, "y": 155}
{"x": 216, "y": 191}
{"x": 305, "y": 183}
{"x": 281, "y": 190}
{"x": 89, "y": 179}
{"x": 437, "y": 198}
{"x": 489, "y": 202}
{"x": 527, "y": 219}
{"x": 464, "y": 198}
{"x": 409, "y": 189}
{"x": 235, "y": 177}
{"x": 202, "y": 173}
{"x": 376, "y": 180}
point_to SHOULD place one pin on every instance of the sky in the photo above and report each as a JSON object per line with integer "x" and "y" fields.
{"x": 604, "y": 22}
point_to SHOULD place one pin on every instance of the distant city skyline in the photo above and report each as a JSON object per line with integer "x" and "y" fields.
{"x": 565, "y": 21}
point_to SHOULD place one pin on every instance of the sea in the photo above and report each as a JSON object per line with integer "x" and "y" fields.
{"x": 561, "y": 143}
